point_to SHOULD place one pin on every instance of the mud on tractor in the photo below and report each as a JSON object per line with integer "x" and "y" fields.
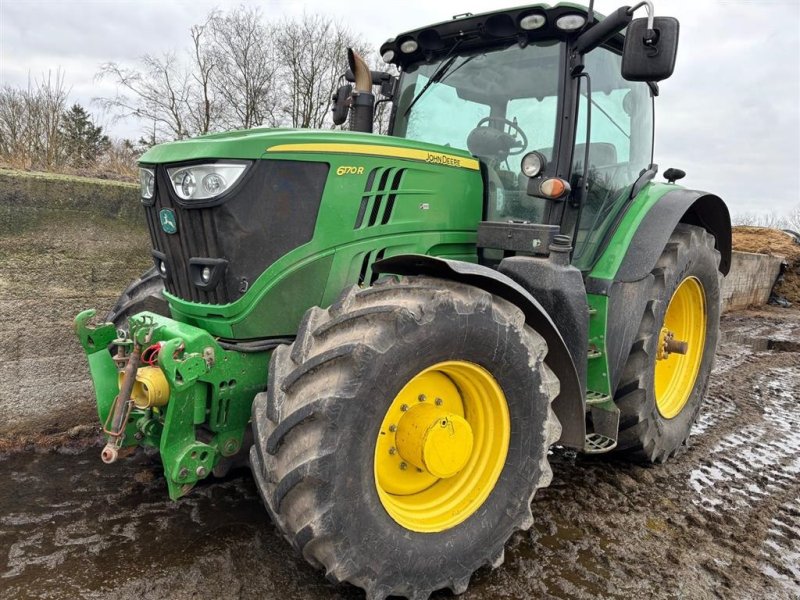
{"x": 408, "y": 322}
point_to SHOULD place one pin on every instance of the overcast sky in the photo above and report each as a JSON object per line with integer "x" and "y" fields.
{"x": 730, "y": 116}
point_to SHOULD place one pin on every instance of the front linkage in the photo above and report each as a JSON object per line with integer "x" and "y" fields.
{"x": 171, "y": 386}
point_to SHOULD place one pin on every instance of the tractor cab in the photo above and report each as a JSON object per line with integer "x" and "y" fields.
{"x": 505, "y": 85}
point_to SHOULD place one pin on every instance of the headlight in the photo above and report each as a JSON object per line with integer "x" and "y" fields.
{"x": 147, "y": 183}
{"x": 409, "y": 46}
{"x": 200, "y": 182}
{"x": 531, "y": 22}
{"x": 532, "y": 164}
{"x": 570, "y": 22}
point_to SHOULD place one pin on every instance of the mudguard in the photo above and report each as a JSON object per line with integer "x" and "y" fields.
{"x": 677, "y": 206}
{"x": 625, "y": 287}
{"x": 569, "y": 405}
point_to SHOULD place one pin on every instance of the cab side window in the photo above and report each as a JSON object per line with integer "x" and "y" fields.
{"x": 620, "y": 147}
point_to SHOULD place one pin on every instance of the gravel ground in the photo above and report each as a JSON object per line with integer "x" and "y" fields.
{"x": 720, "y": 521}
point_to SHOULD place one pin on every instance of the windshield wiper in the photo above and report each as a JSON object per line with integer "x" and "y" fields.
{"x": 436, "y": 77}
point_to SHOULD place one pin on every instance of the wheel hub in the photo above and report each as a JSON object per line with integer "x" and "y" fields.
{"x": 435, "y": 440}
{"x": 667, "y": 344}
{"x": 680, "y": 347}
{"x": 441, "y": 446}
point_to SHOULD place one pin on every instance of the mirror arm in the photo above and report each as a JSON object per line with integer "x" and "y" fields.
{"x": 651, "y": 13}
{"x": 604, "y": 30}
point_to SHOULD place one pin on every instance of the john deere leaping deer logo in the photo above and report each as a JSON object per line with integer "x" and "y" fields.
{"x": 168, "y": 221}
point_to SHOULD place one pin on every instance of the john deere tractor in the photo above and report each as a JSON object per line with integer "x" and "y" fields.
{"x": 408, "y": 322}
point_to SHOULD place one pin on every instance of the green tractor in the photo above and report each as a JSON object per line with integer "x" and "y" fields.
{"x": 408, "y": 322}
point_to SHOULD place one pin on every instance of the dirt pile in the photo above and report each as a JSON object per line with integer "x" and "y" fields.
{"x": 762, "y": 240}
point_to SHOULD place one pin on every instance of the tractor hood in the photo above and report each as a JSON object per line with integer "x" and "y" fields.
{"x": 258, "y": 143}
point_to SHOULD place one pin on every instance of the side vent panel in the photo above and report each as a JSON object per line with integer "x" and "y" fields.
{"x": 362, "y": 210}
{"x": 366, "y": 276}
{"x": 378, "y": 201}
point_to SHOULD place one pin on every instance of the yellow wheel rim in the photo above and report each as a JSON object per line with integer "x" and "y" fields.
{"x": 442, "y": 446}
{"x": 680, "y": 347}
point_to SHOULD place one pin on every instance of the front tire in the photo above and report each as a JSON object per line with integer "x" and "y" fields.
{"x": 143, "y": 294}
{"x": 332, "y": 401}
{"x": 661, "y": 393}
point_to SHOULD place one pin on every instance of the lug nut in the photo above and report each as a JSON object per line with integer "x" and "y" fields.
{"x": 438, "y": 402}
{"x": 392, "y": 450}
{"x": 403, "y": 466}
{"x": 392, "y": 428}
{"x": 404, "y": 407}
{"x": 422, "y": 398}
{"x": 201, "y": 471}
{"x": 183, "y": 473}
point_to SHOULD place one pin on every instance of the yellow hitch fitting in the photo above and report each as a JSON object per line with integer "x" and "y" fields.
{"x": 150, "y": 388}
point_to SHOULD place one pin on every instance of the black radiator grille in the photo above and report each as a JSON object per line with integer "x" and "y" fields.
{"x": 270, "y": 212}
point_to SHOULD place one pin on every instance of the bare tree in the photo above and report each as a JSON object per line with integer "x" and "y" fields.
{"x": 771, "y": 220}
{"x": 793, "y": 219}
{"x": 120, "y": 159}
{"x": 244, "y": 74}
{"x": 30, "y": 122}
{"x": 51, "y": 99}
{"x": 313, "y": 57}
{"x": 159, "y": 93}
{"x": 240, "y": 72}
{"x": 14, "y": 127}
{"x": 203, "y": 110}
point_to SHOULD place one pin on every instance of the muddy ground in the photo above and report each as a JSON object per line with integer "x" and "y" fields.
{"x": 721, "y": 521}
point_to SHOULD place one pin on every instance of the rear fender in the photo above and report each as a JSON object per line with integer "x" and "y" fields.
{"x": 569, "y": 405}
{"x": 677, "y": 206}
{"x": 626, "y": 286}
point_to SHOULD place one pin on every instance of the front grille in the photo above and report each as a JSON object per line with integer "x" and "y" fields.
{"x": 270, "y": 212}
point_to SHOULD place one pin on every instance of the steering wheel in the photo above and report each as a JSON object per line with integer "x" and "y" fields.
{"x": 516, "y": 146}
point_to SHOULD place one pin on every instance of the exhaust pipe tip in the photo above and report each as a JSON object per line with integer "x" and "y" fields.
{"x": 361, "y": 72}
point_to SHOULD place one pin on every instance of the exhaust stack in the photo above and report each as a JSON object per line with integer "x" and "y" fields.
{"x": 362, "y": 105}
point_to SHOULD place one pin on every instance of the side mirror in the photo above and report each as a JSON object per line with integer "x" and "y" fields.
{"x": 341, "y": 104}
{"x": 649, "y": 52}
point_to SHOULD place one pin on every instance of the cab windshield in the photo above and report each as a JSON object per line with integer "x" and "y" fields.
{"x": 498, "y": 104}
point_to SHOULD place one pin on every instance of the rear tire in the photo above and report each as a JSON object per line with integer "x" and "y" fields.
{"x": 316, "y": 426}
{"x": 143, "y": 294}
{"x": 644, "y": 429}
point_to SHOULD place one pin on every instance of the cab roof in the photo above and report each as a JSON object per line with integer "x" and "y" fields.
{"x": 483, "y": 30}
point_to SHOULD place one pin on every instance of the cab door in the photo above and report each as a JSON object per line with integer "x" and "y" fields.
{"x": 620, "y": 148}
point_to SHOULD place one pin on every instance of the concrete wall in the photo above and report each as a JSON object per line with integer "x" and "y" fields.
{"x": 66, "y": 244}
{"x": 750, "y": 280}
